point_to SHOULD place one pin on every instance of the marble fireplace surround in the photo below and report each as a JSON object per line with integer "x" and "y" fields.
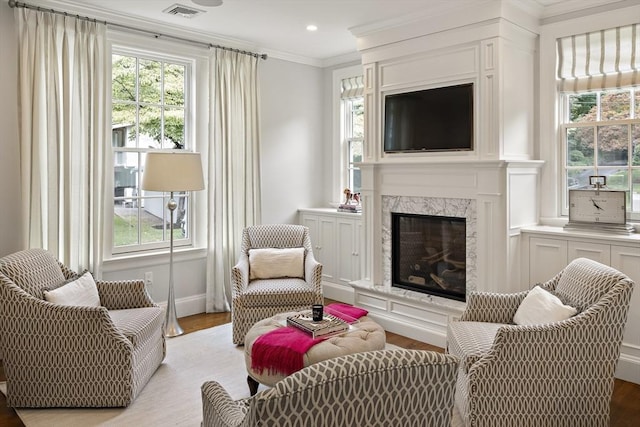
{"x": 436, "y": 206}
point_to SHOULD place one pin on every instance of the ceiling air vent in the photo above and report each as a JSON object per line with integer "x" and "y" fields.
{"x": 182, "y": 10}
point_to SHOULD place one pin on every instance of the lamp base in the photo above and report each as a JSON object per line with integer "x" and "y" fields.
{"x": 172, "y": 328}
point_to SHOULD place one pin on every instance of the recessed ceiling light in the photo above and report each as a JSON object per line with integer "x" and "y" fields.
{"x": 312, "y": 27}
{"x": 208, "y": 3}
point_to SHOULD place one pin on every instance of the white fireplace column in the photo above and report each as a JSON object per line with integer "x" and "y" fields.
{"x": 493, "y": 46}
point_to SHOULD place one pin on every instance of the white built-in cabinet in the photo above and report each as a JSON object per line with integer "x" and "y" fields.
{"x": 547, "y": 250}
{"x": 348, "y": 237}
{"x": 550, "y": 253}
{"x": 336, "y": 238}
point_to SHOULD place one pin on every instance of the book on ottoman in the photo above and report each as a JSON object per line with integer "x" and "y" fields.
{"x": 329, "y": 324}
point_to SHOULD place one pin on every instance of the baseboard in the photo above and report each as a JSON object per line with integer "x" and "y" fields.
{"x": 188, "y": 306}
{"x": 409, "y": 330}
{"x": 338, "y": 292}
{"x": 628, "y": 368}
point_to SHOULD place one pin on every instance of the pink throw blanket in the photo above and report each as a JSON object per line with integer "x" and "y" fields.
{"x": 282, "y": 349}
{"x": 346, "y": 312}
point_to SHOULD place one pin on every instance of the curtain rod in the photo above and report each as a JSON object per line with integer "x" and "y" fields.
{"x": 14, "y": 4}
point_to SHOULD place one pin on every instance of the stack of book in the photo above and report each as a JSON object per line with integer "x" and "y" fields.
{"x": 329, "y": 324}
{"x": 349, "y": 208}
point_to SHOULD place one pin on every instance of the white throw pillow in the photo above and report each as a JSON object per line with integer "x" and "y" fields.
{"x": 271, "y": 263}
{"x": 540, "y": 306}
{"x": 80, "y": 292}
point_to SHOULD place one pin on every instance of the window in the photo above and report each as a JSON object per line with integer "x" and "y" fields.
{"x": 150, "y": 107}
{"x": 352, "y": 118}
{"x": 353, "y": 140}
{"x": 599, "y": 84}
{"x": 602, "y": 137}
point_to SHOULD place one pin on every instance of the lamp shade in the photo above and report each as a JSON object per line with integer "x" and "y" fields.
{"x": 172, "y": 171}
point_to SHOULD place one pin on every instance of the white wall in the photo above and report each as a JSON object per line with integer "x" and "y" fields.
{"x": 189, "y": 278}
{"x": 293, "y": 139}
{"x": 10, "y": 197}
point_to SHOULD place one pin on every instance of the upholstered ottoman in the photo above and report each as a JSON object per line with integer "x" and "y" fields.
{"x": 366, "y": 335}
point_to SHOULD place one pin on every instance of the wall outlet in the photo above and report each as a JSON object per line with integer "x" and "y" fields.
{"x": 148, "y": 280}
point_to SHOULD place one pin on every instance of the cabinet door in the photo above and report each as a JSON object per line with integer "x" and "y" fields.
{"x": 357, "y": 242}
{"x": 322, "y": 234}
{"x": 595, "y": 251}
{"x": 348, "y": 250}
{"x": 312, "y": 222}
{"x": 627, "y": 260}
{"x": 327, "y": 247}
{"x": 546, "y": 258}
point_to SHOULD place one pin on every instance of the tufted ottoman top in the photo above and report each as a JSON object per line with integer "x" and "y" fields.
{"x": 366, "y": 335}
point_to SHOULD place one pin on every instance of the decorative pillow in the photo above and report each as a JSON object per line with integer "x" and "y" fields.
{"x": 271, "y": 263}
{"x": 540, "y": 306}
{"x": 81, "y": 292}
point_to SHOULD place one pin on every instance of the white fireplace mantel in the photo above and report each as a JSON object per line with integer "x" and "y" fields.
{"x": 496, "y": 198}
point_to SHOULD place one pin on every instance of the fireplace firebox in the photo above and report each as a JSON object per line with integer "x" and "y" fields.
{"x": 428, "y": 254}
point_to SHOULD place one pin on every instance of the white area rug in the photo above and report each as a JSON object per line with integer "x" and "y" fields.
{"x": 172, "y": 396}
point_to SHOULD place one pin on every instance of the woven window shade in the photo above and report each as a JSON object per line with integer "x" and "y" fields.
{"x": 352, "y": 87}
{"x": 603, "y": 59}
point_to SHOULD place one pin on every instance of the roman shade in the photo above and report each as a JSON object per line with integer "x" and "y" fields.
{"x": 352, "y": 87}
{"x": 599, "y": 60}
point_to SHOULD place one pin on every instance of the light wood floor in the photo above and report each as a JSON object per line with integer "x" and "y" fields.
{"x": 625, "y": 403}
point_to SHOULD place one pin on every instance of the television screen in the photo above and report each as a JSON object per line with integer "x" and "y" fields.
{"x": 439, "y": 119}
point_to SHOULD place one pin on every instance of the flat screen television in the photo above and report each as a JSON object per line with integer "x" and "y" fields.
{"x": 437, "y": 119}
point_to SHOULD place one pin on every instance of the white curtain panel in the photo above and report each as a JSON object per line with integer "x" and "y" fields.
{"x": 62, "y": 92}
{"x": 234, "y": 167}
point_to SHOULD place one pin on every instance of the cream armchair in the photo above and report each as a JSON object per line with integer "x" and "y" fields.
{"x": 374, "y": 389}
{"x": 74, "y": 356}
{"x": 257, "y": 299}
{"x": 557, "y": 373}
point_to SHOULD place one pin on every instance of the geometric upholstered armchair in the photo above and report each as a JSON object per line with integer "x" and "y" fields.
{"x": 558, "y": 373}
{"x": 58, "y": 355}
{"x": 275, "y": 273}
{"x": 377, "y": 388}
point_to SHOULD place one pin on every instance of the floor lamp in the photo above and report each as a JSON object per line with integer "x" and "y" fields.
{"x": 169, "y": 172}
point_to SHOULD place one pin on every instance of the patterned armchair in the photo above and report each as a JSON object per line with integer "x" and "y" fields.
{"x": 254, "y": 300}
{"x": 550, "y": 374}
{"x": 377, "y": 388}
{"x": 74, "y": 356}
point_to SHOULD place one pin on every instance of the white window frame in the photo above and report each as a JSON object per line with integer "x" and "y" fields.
{"x": 565, "y": 123}
{"x": 345, "y": 140}
{"x": 340, "y": 169}
{"x": 195, "y": 76}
